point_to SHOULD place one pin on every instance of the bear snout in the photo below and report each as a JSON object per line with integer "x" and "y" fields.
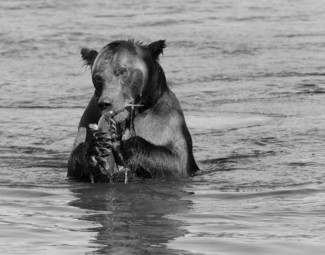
{"x": 105, "y": 104}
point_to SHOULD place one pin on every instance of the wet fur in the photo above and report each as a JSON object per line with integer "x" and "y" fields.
{"x": 162, "y": 145}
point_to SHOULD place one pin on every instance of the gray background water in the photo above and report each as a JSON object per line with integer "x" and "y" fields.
{"x": 251, "y": 79}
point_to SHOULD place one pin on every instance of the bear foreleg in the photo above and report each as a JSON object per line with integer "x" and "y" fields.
{"x": 158, "y": 161}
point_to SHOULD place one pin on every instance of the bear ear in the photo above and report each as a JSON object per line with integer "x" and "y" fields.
{"x": 156, "y": 48}
{"x": 88, "y": 56}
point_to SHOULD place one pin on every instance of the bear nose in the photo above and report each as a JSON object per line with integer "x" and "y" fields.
{"x": 104, "y": 104}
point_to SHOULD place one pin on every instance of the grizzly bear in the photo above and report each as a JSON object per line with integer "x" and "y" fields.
{"x": 153, "y": 139}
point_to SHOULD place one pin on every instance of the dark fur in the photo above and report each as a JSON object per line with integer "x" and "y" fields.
{"x": 161, "y": 146}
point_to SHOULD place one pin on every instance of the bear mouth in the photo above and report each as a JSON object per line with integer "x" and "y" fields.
{"x": 122, "y": 115}
{"x": 126, "y": 113}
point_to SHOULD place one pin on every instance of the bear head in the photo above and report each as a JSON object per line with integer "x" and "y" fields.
{"x": 122, "y": 72}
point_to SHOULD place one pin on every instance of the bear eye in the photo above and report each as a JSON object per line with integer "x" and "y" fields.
{"x": 120, "y": 72}
{"x": 97, "y": 79}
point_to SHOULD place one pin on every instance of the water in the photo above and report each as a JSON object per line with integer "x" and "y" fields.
{"x": 250, "y": 76}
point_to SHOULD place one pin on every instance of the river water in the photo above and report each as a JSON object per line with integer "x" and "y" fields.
{"x": 250, "y": 76}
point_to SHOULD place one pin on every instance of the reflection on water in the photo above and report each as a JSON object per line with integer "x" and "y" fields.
{"x": 263, "y": 222}
{"x": 250, "y": 77}
{"x": 133, "y": 216}
{"x": 37, "y": 220}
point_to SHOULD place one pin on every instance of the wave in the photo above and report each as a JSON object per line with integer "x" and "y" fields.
{"x": 260, "y": 194}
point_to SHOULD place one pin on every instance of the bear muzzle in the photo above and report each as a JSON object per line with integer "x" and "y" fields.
{"x": 105, "y": 104}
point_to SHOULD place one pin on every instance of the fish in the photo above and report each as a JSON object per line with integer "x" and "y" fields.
{"x": 105, "y": 161}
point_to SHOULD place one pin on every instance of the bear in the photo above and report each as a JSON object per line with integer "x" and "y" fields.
{"x": 155, "y": 141}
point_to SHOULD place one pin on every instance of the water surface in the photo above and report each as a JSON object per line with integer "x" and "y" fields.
{"x": 251, "y": 80}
